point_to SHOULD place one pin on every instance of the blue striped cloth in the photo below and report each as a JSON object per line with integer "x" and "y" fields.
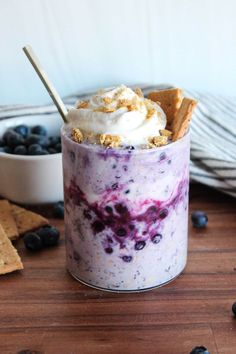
{"x": 213, "y": 135}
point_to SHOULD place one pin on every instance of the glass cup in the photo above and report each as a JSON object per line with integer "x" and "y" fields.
{"x": 126, "y": 213}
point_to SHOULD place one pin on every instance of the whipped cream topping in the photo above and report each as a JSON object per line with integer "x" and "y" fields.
{"x": 121, "y": 112}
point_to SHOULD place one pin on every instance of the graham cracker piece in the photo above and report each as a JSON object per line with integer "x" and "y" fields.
{"x": 27, "y": 220}
{"x": 181, "y": 122}
{"x": 7, "y": 221}
{"x": 170, "y": 101}
{"x": 109, "y": 140}
{"x": 9, "y": 258}
{"x": 77, "y": 135}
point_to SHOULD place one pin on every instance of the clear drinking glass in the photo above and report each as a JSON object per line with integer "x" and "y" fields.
{"x": 126, "y": 213}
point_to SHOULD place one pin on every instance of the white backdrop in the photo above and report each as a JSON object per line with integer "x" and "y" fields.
{"x": 92, "y": 43}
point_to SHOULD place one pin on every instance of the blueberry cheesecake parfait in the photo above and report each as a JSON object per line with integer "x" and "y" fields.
{"x": 126, "y": 180}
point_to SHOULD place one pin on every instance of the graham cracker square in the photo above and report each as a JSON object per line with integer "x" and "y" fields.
{"x": 7, "y": 221}
{"x": 9, "y": 258}
{"x": 170, "y": 101}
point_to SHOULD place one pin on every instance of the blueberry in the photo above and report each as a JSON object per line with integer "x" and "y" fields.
{"x": 98, "y": 226}
{"x": 22, "y": 129}
{"x": 139, "y": 245}
{"x": 8, "y": 150}
{"x": 114, "y": 186}
{"x": 49, "y": 235}
{"x": 87, "y": 215}
{"x": 163, "y": 214}
{"x": 20, "y": 150}
{"x": 36, "y": 139}
{"x": 52, "y": 150}
{"x": 35, "y": 149}
{"x": 234, "y": 308}
{"x": 5, "y": 135}
{"x": 2, "y": 143}
{"x": 58, "y": 210}
{"x": 39, "y": 129}
{"x": 199, "y": 219}
{"x": 54, "y": 140}
{"x": 2, "y": 149}
{"x": 162, "y": 156}
{"x": 72, "y": 156}
{"x": 130, "y": 147}
{"x": 58, "y": 147}
{"x": 121, "y": 209}
{"x": 13, "y": 139}
{"x": 76, "y": 256}
{"x": 32, "y": 241}
{"x": 44, "y": 152}
{"x": 199, "y": 350}
{"x": 108, "y": 250}
{"x": 127, "y": 258}
{"x": 121, "y": 232}
{"x": 108, "y": 209}
{"x": 156, "y": 238}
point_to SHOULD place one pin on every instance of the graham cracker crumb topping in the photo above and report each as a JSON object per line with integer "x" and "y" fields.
{"x": 138, "y": 92}
{"x": 157, "y": 141}
{"x": 105, "y": 109}
{"x": 77, "y": 135}
{"x": 150, "y": 113}
{"x": 82, "y": 104}
{"x": 109, "y": 140}
{"x": 107, "y": 100}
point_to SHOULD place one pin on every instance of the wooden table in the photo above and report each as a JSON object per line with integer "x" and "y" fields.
{"x": 45, "y": 310}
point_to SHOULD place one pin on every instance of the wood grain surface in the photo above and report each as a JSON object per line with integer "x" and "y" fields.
{"x": 43, "y": 309}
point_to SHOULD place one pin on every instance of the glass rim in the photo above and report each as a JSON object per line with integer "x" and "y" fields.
{"x": 121, "y": 151}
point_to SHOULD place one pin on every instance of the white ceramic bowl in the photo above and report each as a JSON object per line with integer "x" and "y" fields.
{"x": 32, "y": 179}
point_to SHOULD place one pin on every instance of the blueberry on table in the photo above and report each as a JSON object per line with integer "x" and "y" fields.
{"x": 32, "y": 241}
{"x": 35, "y": 149}
{"x": 199, "y": 350}
{"x": 39, "y": 129}
{"x": 199, "y": 219}
{"x": 49, "y": 235}
{"x": 22, "y": 129}
{"x": 20, "y": 150}
{"x": 58, "y": 210}
{"x": 234, "y": 308}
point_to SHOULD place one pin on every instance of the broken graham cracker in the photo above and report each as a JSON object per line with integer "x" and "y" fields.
{"x": 170, "y": 101}
{"x": 157, "y": 141}
{"x": 181, "y": 122}
{"x": 77, "y": 136}
{"x": 27, "y": 220}
{"x": 109, "y": 140}
{"x": 7, "y": 221}
{"x": 165, "y": 132}
{"x": 9, "y": 258}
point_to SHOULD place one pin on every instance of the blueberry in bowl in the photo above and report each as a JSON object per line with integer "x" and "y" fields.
{"x": 30, "y": 161}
